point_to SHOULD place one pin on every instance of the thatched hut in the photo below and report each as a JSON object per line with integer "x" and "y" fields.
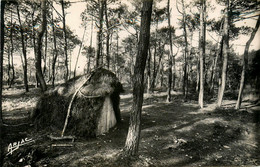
{"x": 89, "y": 104}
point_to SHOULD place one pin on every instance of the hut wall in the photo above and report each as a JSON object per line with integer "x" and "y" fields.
{"x": 107, "y": 118}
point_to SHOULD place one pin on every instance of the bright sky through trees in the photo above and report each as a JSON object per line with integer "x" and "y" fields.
{"x": 74, "y": 22}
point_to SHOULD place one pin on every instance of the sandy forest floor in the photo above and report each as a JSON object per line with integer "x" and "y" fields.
{"x": 173, "y": 134}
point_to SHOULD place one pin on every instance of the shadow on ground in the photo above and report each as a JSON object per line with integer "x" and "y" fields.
{"x": 173, "y": 134}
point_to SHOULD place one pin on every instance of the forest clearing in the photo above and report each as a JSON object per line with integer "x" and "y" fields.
{"x": 173, "y": 134}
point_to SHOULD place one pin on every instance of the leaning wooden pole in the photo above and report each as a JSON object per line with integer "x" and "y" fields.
{"x": 70, "y": 105}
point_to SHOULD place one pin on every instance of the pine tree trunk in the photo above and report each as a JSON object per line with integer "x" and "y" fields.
{"x": 89, "y": 55}
{"x": 12, "y": 51}
{"x": 99, "y": 33}
{"x": 154, "y": 59}
{"x": 149, "y": 72}
{"x": 55, "y": 53}
{"x": 170, "y": 56}
{"x": 245, "y": 62}
{"x": 76, "y": 64}
{"x": 34, "y": 43}
{"x": 65, "y": 41}
{"x": 154, "y": 67}
{"x": 38, "y": 58}
{"x": 24, "y": 52}
{"x": 198, "y": 74}
{"x": 212, "y": 79}
{"x": 133, "y": 136}
{"x": 117, "y": 53}
{"x": 107, "y": 37}
{"x": 9, "y": 67}
{"x": 2, "y": 4}
{"x": 185, "y": 77}
{"x": 45, "y": 54}
{"x": 202, "y": 51}
{"x": 225, "y": 56}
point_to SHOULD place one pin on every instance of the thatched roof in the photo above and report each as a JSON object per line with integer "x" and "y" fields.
{"x": 101, "y": 82}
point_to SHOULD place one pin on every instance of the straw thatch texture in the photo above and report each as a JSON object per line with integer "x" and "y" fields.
{"x": 87, "y": 106}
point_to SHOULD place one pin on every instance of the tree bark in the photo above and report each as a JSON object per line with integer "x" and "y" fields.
{"x": 12, "y": 51}
{"x": 154, "y": 66}
{"x": 10, "y": 55}
{"x": 213, "y": 75}
{"x": 245, "y": 62}
{"x": 34, "y": 42}
{"x": 65, "y": 40}
{"x": 24, "y": 51}
{"x": 76, "y": 64}
{"x": 45, "y": 54}
{"x": 38, "y": 58}
{"x": 170, "y": 56}
{"x": 225, "y": 56}
{"x": 159, "y": 66}
{"x": 2, "y": 4}
{"x": 107, "y": 37}
{"x": 185, "y": 77}
{"x": 99, "y": 33}
{"x": 55, "y": 52}
{"x": 202, "y": 50}
{"x": 149, "y": 72}
{"x": 133, "y": 136}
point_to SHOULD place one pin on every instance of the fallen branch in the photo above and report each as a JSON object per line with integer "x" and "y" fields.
{"x": 62, "y": 138}
{"x": 16, "y": 125}
{"x": 62, "y": 145}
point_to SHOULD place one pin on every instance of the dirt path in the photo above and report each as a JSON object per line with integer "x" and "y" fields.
{"x": 173, "y": 134}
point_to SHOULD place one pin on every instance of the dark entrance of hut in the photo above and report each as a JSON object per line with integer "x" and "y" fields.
{"x": 87, "y": 105}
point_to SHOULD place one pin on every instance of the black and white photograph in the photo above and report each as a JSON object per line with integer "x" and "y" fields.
{"x": 129, "y": 83}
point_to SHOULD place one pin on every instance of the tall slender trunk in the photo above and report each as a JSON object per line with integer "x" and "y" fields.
{"x": 76, "y": 64}
{"x": 198, "y": 74}
{"x": 202, "y": 50}
{"x": 158, "y": 70}
{"x": 34, "y": 42}
{"x": 11, "y": 73}
{"x": 245, "y": 62}
{"x": 107, "y": 37}
{"x": 149, "y": 71}
{"x": 212, "y": 79}
{"x": 65, "y": 41}
{"x": 9, "y": 67}
{"x": 131, "y": 65}
{"x": 49, "y": 69}
{"x": 170, "y": 56}
{"x": 12, "y": 51}
{"x": 184, "y": 86}
{"x": 89, "y": 55}
{"x": 45, "y": 53}
{"x": 133, "y": 136}
{"x": 55, "y": 53}
{"x": 216, "y": 62}
{"x": 154, "y": 67}
{"x": 24, "y": 51}
{"x": 99, "y": 33}
{"x": 2, "y": 4}
{"x": 38, "y": 57}
{"x": 225, "y": 56}
{"x": 117, "y": 53}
